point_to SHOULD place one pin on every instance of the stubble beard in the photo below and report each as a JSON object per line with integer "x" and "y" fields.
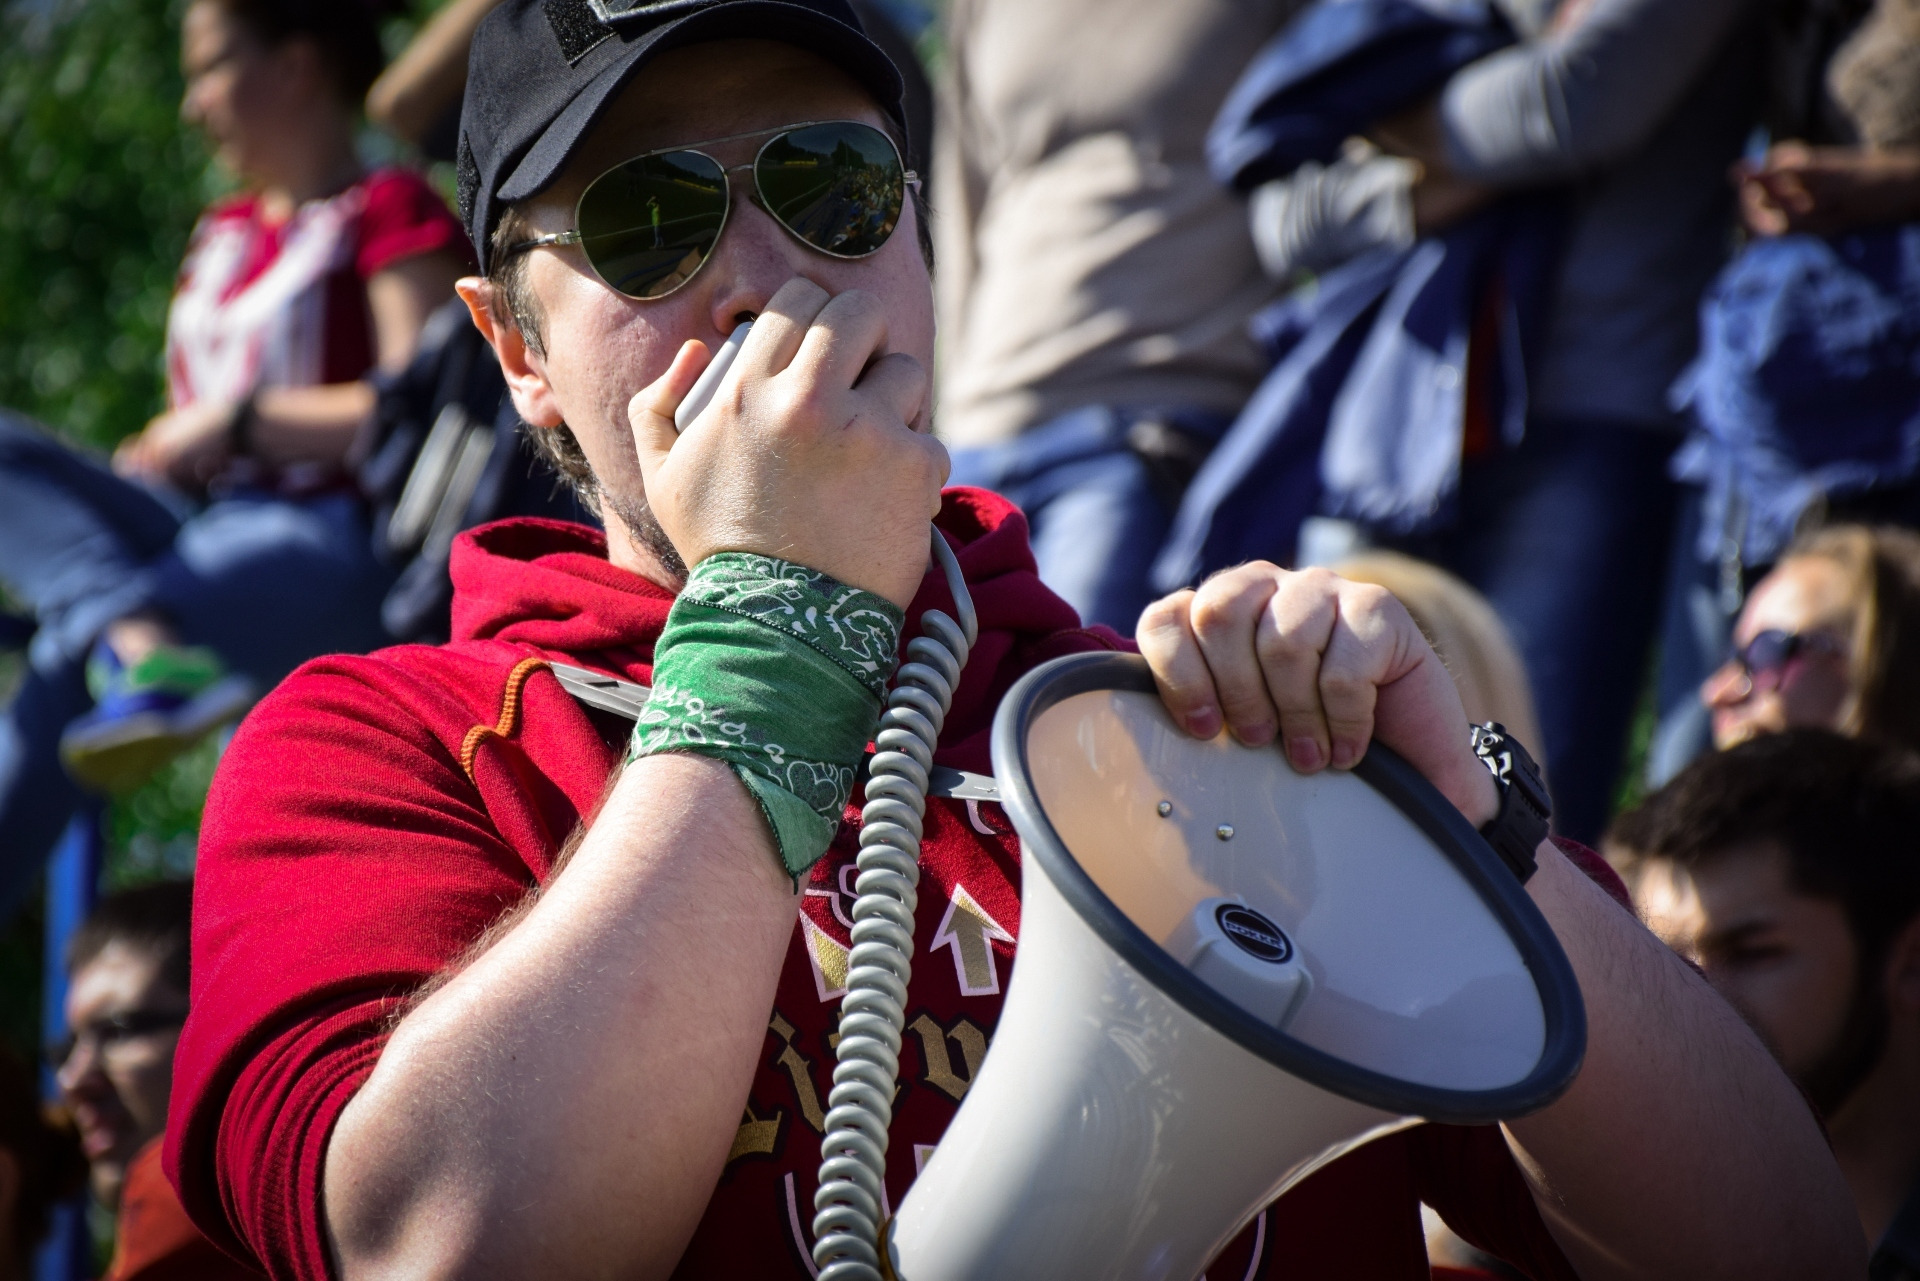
{"x": 1846, "y": 1062}
{"x": 638, "y": 517}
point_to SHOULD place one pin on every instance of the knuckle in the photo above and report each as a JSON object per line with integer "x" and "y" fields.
{"x": 1217, "y": 607}
{"x": 1343, "y": 685}
{"x": 940, "y": 461}
{"x": 1369, "y": 598}
{"x": 1166, "y": 614}
{"x": 1279, "y": 647}
{"x": 857, "y": 302}
{"x": 805, "y": 401}
{"x": 1316, "y": 580}
{"x": 1297, "y": 698}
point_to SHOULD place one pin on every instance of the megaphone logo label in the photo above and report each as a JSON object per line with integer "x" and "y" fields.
{"x": 1253, "y": 933}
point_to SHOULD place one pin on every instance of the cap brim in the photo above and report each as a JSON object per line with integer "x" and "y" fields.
{"x": 844, "y": 46}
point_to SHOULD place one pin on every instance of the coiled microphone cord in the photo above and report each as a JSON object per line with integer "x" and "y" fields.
{"x": 853, "y": 1156}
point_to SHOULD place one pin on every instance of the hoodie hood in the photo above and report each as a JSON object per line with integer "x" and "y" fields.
{"x": 547, "y": 584}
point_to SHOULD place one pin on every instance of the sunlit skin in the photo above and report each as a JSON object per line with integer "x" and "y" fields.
{"x": 1803, "y": 594}
{"x": 602, "y": 348}
{"x": 118, "y": 1092}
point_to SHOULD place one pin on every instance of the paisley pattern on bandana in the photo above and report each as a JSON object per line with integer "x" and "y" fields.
{"x": 678, "y": 720}
{"x": 777, "y": 670}
{"x": 856, "y": 629}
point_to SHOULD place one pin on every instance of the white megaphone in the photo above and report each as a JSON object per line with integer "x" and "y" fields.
{"x": 1228, "y": 974}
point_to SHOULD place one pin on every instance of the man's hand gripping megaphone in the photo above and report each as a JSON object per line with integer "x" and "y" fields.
{"x": 816, "y": 449}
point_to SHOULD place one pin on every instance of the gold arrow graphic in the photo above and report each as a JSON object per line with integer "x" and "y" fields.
{"x": 829, "y": 958}
{"x": 970, "y": 932}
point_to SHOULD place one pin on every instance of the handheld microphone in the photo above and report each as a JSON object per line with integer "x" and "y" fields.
{"x": 708, "y": 383}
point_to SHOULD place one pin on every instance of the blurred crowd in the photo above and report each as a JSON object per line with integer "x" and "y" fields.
{"x": 1589, "y": 329}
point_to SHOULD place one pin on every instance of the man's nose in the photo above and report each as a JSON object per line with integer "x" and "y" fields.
{"x": 191, "y": 109}
{"x": 82, "y": 1072}
{"x": 755, "y": 256}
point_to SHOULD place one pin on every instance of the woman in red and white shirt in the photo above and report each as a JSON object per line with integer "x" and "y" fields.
{"x": 227, "y": 543}
{"x": 315, "y": 274}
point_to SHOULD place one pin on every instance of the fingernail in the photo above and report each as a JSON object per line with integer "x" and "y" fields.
{"x": 1258, "y": 735}
{"x": 1204, "y": 723}
{"x": 1304, "y": 753}
{"x": 1344, "y": 755}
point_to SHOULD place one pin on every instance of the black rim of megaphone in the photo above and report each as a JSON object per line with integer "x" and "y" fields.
{"x": 1414, "y": 796}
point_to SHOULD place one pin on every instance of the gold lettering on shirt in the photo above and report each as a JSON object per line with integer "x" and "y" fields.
{"x": 756, "y": 1137}
{"x": 800, "y": 1072}
{"x": 828, "y": 957}
{"x": 939, "y": 1063}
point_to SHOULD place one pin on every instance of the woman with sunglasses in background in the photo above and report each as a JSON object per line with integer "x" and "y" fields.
{"x": 1829, "y": 638}
{"x": 228, "y": 543}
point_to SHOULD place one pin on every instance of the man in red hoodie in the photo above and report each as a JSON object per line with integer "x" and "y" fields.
{"x": 481, "y": 985}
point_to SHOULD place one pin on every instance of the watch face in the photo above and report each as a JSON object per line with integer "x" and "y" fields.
{"x": 1511, "y": 766}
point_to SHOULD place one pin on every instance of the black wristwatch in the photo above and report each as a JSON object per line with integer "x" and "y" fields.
{"x": 1517, "y": 830}
{"x": 240, "y": 428}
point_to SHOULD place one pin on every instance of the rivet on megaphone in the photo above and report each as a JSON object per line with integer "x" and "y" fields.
{"x": 1164, "y": 808}
{"x": 1224, "y": 831}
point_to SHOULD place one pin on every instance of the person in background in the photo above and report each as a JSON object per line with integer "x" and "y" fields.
{"x": 127, "y": 991}
{"x": 1463, "y": 630}
{"x": 227, "y": 544}
{"x": 40, "y": 1166}
{"x": 1804, "y": 399}
{"x": 1830, "y": 638}
{"x": 1784, "y": 868}
{"x": 1095, "y": 283}
{"x": 1638, "y": 107}
{"x": 1845, "y": 114}
{"x": 417, "y": 99}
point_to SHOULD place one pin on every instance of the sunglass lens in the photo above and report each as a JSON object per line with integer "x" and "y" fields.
{"x": 1768, "y": 652}
{"x": 647, "y": 225}
{"x": 837, "y": 186}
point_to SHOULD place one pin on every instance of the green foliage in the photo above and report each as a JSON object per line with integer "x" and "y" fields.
{"x": 151, "y": 834}
{"x": 100, "y": 182}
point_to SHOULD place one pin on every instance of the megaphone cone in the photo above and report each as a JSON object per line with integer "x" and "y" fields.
{"x": 1228, "y": 975}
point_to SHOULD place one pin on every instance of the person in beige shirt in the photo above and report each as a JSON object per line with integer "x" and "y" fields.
{"x": 1095, "y": 282}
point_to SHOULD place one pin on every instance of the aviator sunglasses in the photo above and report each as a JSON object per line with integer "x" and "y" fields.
{"x": 649, "y": 223}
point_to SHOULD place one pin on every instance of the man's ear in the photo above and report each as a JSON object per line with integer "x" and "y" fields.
{"x": 525, "y": 371}
{"x": 1903, "y": 971}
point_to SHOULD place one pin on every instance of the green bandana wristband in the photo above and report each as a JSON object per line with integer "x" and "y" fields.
{"x": 779, "y": 671}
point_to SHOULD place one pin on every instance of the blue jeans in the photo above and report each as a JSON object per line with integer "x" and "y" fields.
{"x": 264, "y": 581}
{"x": 1097, "y": 517}
{"x": 1568, "y": 536}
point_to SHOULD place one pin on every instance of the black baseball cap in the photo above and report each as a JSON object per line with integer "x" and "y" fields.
{"x": 541, "y": 72}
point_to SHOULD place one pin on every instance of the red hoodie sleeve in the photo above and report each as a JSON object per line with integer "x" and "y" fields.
{"x": 344, "y": 859}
